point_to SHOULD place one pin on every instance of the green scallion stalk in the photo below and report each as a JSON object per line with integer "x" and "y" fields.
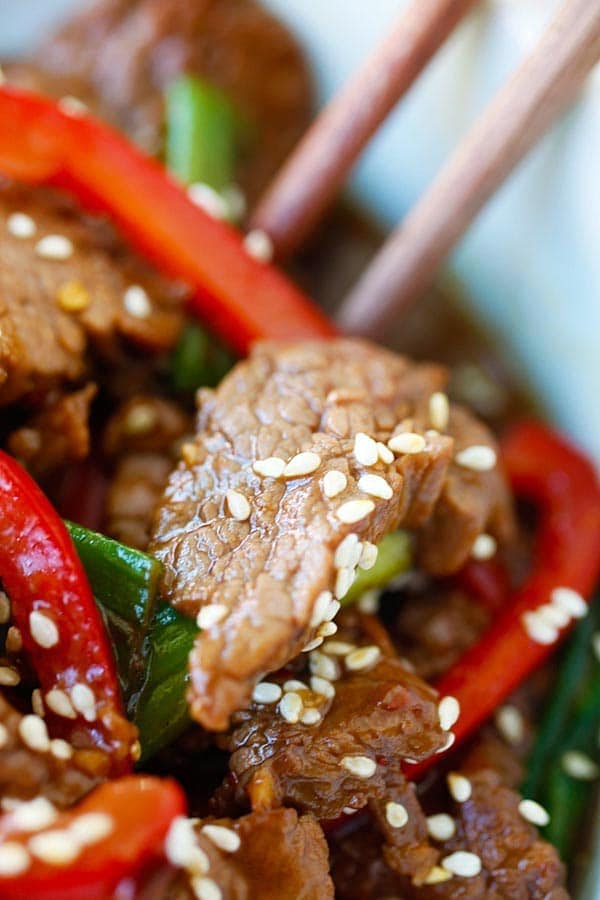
{"x": 394, "y": 557}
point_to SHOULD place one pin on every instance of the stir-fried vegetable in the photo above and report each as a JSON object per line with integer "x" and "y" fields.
{"x": 197, "y": 361}
{"x": 394, "y": 557}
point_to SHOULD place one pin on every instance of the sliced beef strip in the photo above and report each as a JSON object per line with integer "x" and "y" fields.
{"x": 269, "y": 570}
{"x": 123, "y": 53}
{"x": 43, "y": 345}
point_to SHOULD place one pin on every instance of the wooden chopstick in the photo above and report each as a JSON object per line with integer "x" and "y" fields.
{"x": 312, "y": 176}
{"x": 521, "y": 112}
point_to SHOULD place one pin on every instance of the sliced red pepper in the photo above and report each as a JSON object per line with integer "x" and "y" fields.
{"x": 141, "y": 809}
{"x": 563, "y": 484}
{"x": 42, "y": 574}
{"x": 241, "y": 299}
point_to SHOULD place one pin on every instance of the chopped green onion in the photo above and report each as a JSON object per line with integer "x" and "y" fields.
{"x": 394, "y": 557}
{"x": 198, "y": 360}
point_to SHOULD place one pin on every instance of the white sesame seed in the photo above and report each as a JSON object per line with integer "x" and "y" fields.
{"x": 83, "y": 700}
{"x": 441, "y": 827}
{"x": 439, "y": 410}
{"x": 448, "y": 712}
{"x": 459, "y": 787}
{"x": 136, "y": 302}
{"x": 294, "y": 685}
{"x": 34, "y": 733}
{"x": 37, "y": 702}
{"x": 310, "y": 716}
{"x": 354, "y": 510}
{"x": 450, "y": 739}
{"x": 385, "y": 454}
{"x": 361, "y": 766}
{"x": 91, "y": 828}
{"x": 266, "y": 692}
{"x": 271, "y": 467}
{"x": 509, "y": 722}
{"x": 349, "y": 810}
{"x": 334, "y": 482}
{"x": 339, "y": 648}
{"x": 375, "y": 486}
{"x": 54, "y": 246}
{"x": 14, "y": 859}
{"x": 312, "y": 645}
{"x": 580, "y": 766}
{"x": 462, "y": 863}
{"x": 535, "y": 813}
{"x": 333, "y": 608}
{"x": 224, "y": 838}
{"x": 20, "y": 225}
{"x": 323, "y": 666}
{"x": 210, "y": 615}
{"x": 484, "y": 547}
{"x": 348, "y": 552}
{"x": 569, "y": 600}
{"x": 320, "y": 608}
{"x": 327, "y": 629}
{"x": 72, "y": 106}
{"x": 369, "y": 602}
{"x": 60, "y": 749}
{"x": 396, "y": 814}
{"x": 206, "y": 889}
{"x": 479, "y": 458}
{"x": 368, "y": 557}
{"x": 322, "y": 686}
{"x": 596, "y": 644}
{"x": 58, "y": 847}
{"x": 5, "y": 610}
{"x": 204, "y": 196}
{"x": 181, "y": 848}
{"x": 33, "y": 815}
{"x": 365, "y": 449}
{"x": 343, "y": 582}
{"x": 437, "y": 875}
{"x": 14, "y": 640}
{"x": 3, "y": 735}
{"x": 259, "y": 245}
{"x": 407, "y": 442}
{"x": 43, "y": 630}
{"x": 238, "y": 504}
{"x": 363, "y": 658}
{"x": 9, "y": 677}
{"x": 302, "y": 464}
{"x": 538, "y": 629}
{"x": 236, "y": 202}
{"x": 291, "y": 707}
{"x": 553, "y": 615}
{"x": 58, "y": 701}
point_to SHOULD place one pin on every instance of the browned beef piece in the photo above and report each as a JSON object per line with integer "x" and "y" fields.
{"x": 125, "y": 52}
{"x": 132, "y": 497}
{"x": 44, "y": 341}
{"x": 269, "y": 567}
{"x": 145, "y": 424}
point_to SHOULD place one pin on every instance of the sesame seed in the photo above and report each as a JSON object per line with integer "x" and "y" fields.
{"x": 72, "y": 106}
{"x": 509, "y": 722}
{"x": 43, "y": 630}
{"x": 343, "y": 582}
{"x": 323, "y": 666}
{"x": 60, "y": 749}
{"x": 396, "y": 814}
{"x": 320, "y": 608}
{"x": 376, "y": 486}
{"x": 569, "y": 600}
{"x": 365, "y": 449}
{"x": 327, "y": 629}
{"x": 20, "y": 225}
{"x": 58, "y": 701}
{"x": 294, "y": 685}
{"x": 291, "y": 707}
{"x": 369, "y": 555}
{"x": 535, "y": 813}
{"x": 339, "y": 648}
{"x": 538, "y": 629}
{"x": 484, "y": 547}
{"x": 181, "y": 848}
{"x": 34, "y": 733}
{"x": 579, "y": 766}
{"x": 462, "y": 863}
{"x": 448, "y": 712}
{"x": 54, "y": 246}
{"x": 142, "y": 419}
{"x": 322, "y": 686}
{"x": 14, "y": 859}
{"x": 82, "y": 698}
{"x": 33, "y": 815}
{"x": 596, "y": 644}
{"x": 236, "y": 202}
{"x": 450, "y": 739}
{"x": 439, "y": 410}
{"x": 333, "y": 608}
{"x": 5, "y": 610}
{"x": 460, "y": 787}
{"x": 206, "y": 889}
{"x": 90, "y": 828}
{"x": 210, "y": 614}
{"x": 3, "y": 735}
{"x": 348, "y": 552}
{"x": 37, "y": 702}
{"x": 334, "y": 482}
{"x": 58, "y": 847}
{"x": 363, "y": 658}
{"x": 354, "y": 510}
{"x": 407, "y": 442}
{"x": 310, "y": 716}
{"x": 136, "y": 302}
{"x": 479, "y": 458}
{"x": 9, "y": 677}
{"x": 553, "y": 615}
{"x": 441, "y": 827}
{"x": 369, "y": 602}
{"x": 259, "y": 245}
{"x": 312, "y": 645}
{"x": 238, "y": 504}
{"x": 437, "y": 875}
{"x": 385, "y": 454}
{"x": 223, "y": 838}
{"x": 271, "y": 467}
{"x": 266, "y": 692}
{"x": 14, "y": 641}
{"x": 204, "y": 196}
{"x": 361, "y": 766}
{"x": 349, "y": 810}
{"x": 73, "y": 297}
{"x": 302, "y": 464}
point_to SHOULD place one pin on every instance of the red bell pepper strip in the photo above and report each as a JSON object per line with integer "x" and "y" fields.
{"x": 42, "y": 574}
{"x": 543, "y": 468}
{"x": 141, "y": 809}
{"x": 240, "y": 298}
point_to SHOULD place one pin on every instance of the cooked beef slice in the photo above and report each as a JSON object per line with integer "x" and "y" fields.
{"x": 268, "y": 568}
{"x": 55, "y": 312}
{"x": 122, "y": 54}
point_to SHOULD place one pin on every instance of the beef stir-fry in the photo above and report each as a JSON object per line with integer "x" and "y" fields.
{"x": 273, "y": 626}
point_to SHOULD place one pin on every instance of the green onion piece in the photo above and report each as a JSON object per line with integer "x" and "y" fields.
{"x": 394, "y": 557}
{"x": 198, "y": 360}
{"x": 201, "y": 133}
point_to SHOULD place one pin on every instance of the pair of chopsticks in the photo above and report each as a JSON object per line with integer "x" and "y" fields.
{"x": 540, "y": 90}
